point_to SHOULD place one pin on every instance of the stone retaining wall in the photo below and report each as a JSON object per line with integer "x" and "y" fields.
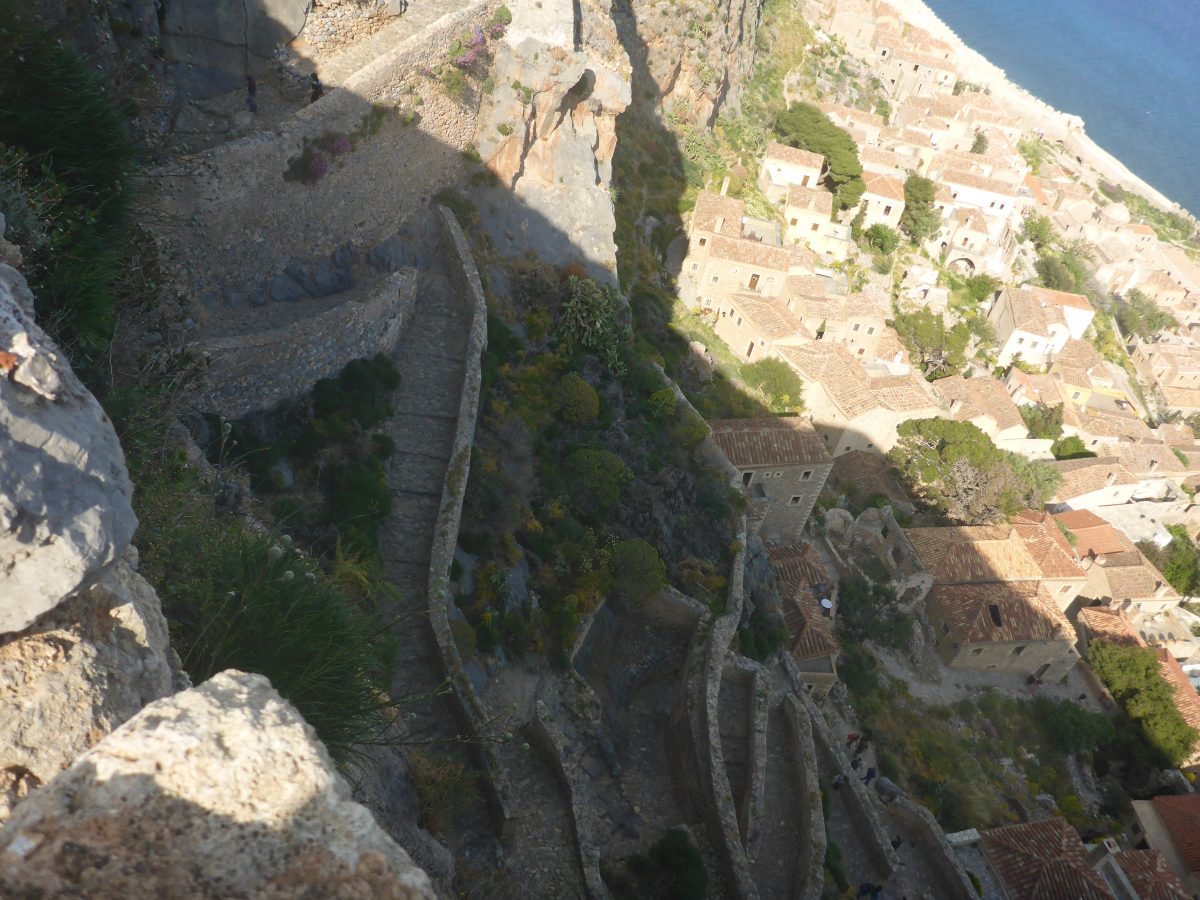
{"x": 468, "y": 706}
{"x": 334, "y": 24}
{"x": 924, "y": 831}
{"x": 754, "y": 802}
{"x": 810, "y": 856}
{"x": 254, "y": 372}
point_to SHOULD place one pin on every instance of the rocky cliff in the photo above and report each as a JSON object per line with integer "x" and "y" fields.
{"x": 548, "y": 132}
{"x": 219, "y": 791}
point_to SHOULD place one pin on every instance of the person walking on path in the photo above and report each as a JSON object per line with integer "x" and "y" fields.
{"x": 862, "y": 742}
{"x": 317, "y": 88}
{"x": 839, "y": 780}
{"x": 856, "y": 762}
{"x": 251, "y": 93}
{"x": 869, "y": 777}
{"x": 851, "y": 738}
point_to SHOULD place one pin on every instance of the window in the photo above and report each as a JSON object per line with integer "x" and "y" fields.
{"x": 703, "y": 241}
{"x": 1020, "y": 340}
{"x": 794, "y": 221}
{"x": 805, "y": 475}
{"x": 1075, "y": 396}
{"x": 871, "y": 329}
{"x": 945, "y": 628}
{"x": 754, "y": 281}
{"x": 715, "y": 279}
{"x": 746, "y": 477}
{"x": 994, "y": 612}
{"x": 804, "y": 183}
{"x": 977, "y": 651}
{"x": 778, "y": 474}
{"x": 739, "y": 321}
{"x": 750, "y": 350}
{"x": 1017, "y": 651}
{"x": 816, "y": 226}
{"x": 695, "y": 266}
{"x": 856, "y": 327}
{"x": 795, "y": 501}
{"x": 887, "y": 210}
{"x": 916, "y": 67}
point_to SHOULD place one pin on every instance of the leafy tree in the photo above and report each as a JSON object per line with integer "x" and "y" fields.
{"x": 980, "y": 144}
{"x": 576, "y": 400}
{"x": 1038, "y": 229}
{"x": 962, "y": 473}
{"x": 941, "y": 350}
{"x": 804, "y": 126}
{"x": 859, "y": 220}
{"x": 1071, "y": 447}
{"x": 980, "y": 287}
{"x": 920, "y": 220}
{"x": 1179, "y": 561}
{"x": 881, "y": 239}
{"x": 638, "y": 571}
{"x": 778, "y": 381}
{"x": 1132, "y": 675}
{"x": 1043, "y": 421}
{"x": 1138, "y": 314}
{"x": 1073, "y": 729}
{"x": 595, "y": 479}
{"x": 1054, "y": 274}
{"x": 868, "y": 610}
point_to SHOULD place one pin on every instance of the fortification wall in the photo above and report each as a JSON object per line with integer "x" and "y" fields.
{"x": 253, "y": 372}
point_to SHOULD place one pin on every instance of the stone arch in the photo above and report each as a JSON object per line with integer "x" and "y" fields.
{"x": 963, "y": 266}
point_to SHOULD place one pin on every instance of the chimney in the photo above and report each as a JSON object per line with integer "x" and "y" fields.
{"x": 1153, "y": 465}
{"x": 725, "y": 186}
{"x": 720, "y": 224}
{"x": 1110, "y": 477}
{"x": 954, "y": 405}
{"x": 1160, "y": 591}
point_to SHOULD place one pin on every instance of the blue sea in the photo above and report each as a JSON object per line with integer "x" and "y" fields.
{"x": 1131, "y": 70}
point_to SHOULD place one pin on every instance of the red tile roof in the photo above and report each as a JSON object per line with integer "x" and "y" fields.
{"x": 713, "y": 208}
{"x": 1150, "y": 876}
{"x": 883, "y": 186}
{"x": 1024, "y": 609}
{"x": 768, "y": 441}
{"x": 794, "y": 156}
{"x": 1181, "y": 817}
{"x": 803, "y": 584}
{"x": 1112, "y": 625}
{"x": 1187, "y": 701}
{"x": 1043, "y": 861}
{"x": 1048, "y": 546}
{"x": 973, "y": 553}
{"x": 1094, "y": 536}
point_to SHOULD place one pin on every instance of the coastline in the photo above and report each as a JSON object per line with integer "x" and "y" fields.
{"x": 1034, "y": 112}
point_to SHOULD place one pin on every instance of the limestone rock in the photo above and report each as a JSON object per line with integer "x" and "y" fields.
{"x": 219, "y": 791}
{"x": 80, "y": 671}
{"x": 65, "y": 495}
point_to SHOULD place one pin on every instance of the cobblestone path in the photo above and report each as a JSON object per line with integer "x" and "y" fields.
{"x": 774, "y": 865}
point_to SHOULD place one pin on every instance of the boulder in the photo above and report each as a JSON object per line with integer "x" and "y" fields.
{"x": 219, "y": 791}
{"x": 65, "y": 495}
{"x": 80, "y": 671}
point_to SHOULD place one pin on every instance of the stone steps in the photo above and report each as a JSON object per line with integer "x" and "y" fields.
{"x": 773, "y": 864}
{"x": 734, "y": 706}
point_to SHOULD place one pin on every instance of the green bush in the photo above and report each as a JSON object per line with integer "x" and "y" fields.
{"x": 383, "y": 446}
{"x": 576, "y": 400}
{"x": 805, "y": 126}
{"x": 778, "y": 381}
{"x": 592, "y": 320}
{"x": 690, "y": 429}
{"x": 671, "y": 869}
{"x": 662, "y": 403}
{"x": 1043, "y": 421}
{"x": 881, "y": 239}
{"x": 502, "y": 16}
{"x": 1070, "y": 447}
{"x": 595, "y": 479}
{"x": 358, "y": 500}
{"x": 1071, "y": 728}
{"x": 638, "y": 571}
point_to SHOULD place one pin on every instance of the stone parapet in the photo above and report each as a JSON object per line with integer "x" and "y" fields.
{"x": 253, "y": 372}
{"x": 810, "y": 857}
{"x": 925, "y": 832}
{"x": 468, "y": 705}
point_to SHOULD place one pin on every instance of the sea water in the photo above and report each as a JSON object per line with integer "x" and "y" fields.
{"x": 1130, "y": 70}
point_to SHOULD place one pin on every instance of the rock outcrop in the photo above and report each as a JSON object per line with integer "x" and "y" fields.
{"x": 219, "y": 791}
{"x": 548, "y": 132}
{"x": 65, "y": 496}
{"x": 77, "y": 673}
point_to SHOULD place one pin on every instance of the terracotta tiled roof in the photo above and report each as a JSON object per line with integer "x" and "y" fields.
{"x": 752, "y": 253}
{"x": 769, "y": 317}
{"x": 1136, "y": 582}
{"x": 793, "y": 156}
{"x": 711, "y": 208}
{"x": 1178, "y": 435}
{"x": 1153, "y": 460}
{"x": 1062, "y": 298}
{"x": 1187, "y": 701}
{"x": 1045, "y": 542}
{"x": 1043, "y": 861}
{"x": 769, "y": 441}
{"x": 973, "y": 553}
{"x": 979, "y": 182}
{"x": 981, "y": 396}
{"x": 1130, "y": 428}
{"x": 803, "y": 584}
{"x": 1150, "y": 876}
{"x": 1181, "y": 398}
{"x": 1107, "y": 624}
{"x": 884, "y": 186}
{"x": 1025, "y": 611}
{"x": 1180, "y": 814}
{"x": 815, "y": 200}
{"x": 1083, "y": 476}
{"x": 852, "y": 389}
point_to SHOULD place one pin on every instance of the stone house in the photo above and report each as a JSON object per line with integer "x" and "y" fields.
{"x": 985, "y": 402}
{"x": 1036, "y": 323}
{"x": 783, "y": 166}
{"x": 725, "y": 266}
{"x": 1010, "y": 626}
{"x": 907, "y": 73}
{"x": 854, "y": 22}
{"x": 1061, "y": 573}
{"x": 1083, "y": 374}
{"x": 1173, "y": 363}
{"x": 989, "y": 195}
{"x": 851, "y": 119}
{"x": 854, "y": 407}
{"x": 884, "y": 198}
{"x": 1118, "y": 573}
{"x": 781, "y": 467}
{"x": 808, "y": 214}
{"x": 808, "y": 598}
{"x": 753, "y": 326}
{"x": 856, "y": 321}
{"x": 1171, "y": 825}
{"x": 1047, "y": 860}
{"x": 1092, "y": 482}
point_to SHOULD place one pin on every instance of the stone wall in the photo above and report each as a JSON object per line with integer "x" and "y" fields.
{"x": 334, "y": 24}
{"x": 254, "y": 372}
{"x": 810, "y": 855}
{"x": 924, "y": 831}
{"x": 469, "y": 706}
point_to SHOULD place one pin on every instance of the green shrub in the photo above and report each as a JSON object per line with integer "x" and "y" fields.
{"x": 881, "y": 239}
{"x": 662, "y": 403}
{"x": 638, "y": 571}
{"x": 595, "y": 479}
{"x": 383, "y": 446}
{"x": 1070, "y": 447}
{"x": 464, "y": 637}
{"x": 358, "y": 500}
{"x": 778, "y": 382}
{"x": 690, "y": 429}
{"x": 1071, "y": 728}
{"x": 592, "y": 320}
{"x": 502, "y": 16}
{"x": 576, "y": 400}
